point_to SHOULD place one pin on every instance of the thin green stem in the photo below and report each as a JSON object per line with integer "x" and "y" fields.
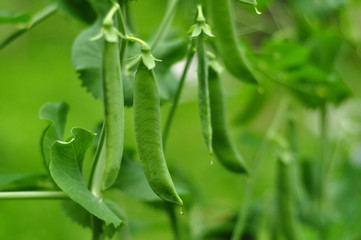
{"x": 122, "y": 30}
{"x": 189, "y": 58}
{"x": 324, "y": 147}
{"x": 96, "y": 174}
{"x": 173, "y": 221}
{"x": 39, "y": 17}
{"x": 167, "y": 19}
{"x": 97, "y": 228}
{"x": 243, "y": 212}
{"x": 322, "y": 169}
{"x": 32, "y": 195}
{"x": 108, "y": 19}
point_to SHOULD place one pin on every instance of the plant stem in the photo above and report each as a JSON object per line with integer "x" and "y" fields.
{"x": 32, "y": 195}
{"x": 97, "y": 171}
{"x": 173, "y": 220}
{"x": 190, "y": 55}
{"x": 96, "y": 228}
{"x": 167, "y": 19}
{"x": 322, "y": 169}
{"x": 243, "y": 212}
{"x": 122, "y": 29}
{"x": 37, "y": 18}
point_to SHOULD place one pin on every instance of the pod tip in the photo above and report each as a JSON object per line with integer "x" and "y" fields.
{"x": 181, "y": 211}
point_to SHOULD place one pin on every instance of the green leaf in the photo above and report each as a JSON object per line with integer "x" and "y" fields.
{"x": 314, "y": 87}
{"x": 286, "y": 54}
{"x": 167, "y": 83}
{"x": 56, "y": 114}
{"x": 171, "y": 50}
{"x": 80, "y": 9}
{"x": 110, "y": 230}
{"x": 7, "y": 17}
{"x": 101, "y": 7}
{"x": 23, "y": 181}
{"x": 132, "y": 181}
{"x": 81, "y": 216}
{"x": 77, "y": 213}
{"x": 87, "y": 59}
{"x": 66, "y": 170}
{"x": 248, "y": 2}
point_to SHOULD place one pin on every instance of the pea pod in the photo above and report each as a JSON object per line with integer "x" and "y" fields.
{"x": 222, "y": 144}
{"x": 113, "y": 111}
{"x": 203, "y": 92}
{"x": 229, "y": 48}
{"x": 148, "y": 135}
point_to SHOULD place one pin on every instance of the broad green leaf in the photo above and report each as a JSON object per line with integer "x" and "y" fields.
{"x": 56, "y": 114}
{"x": 81, "y": 216}
{"x": 101, "y": 6}
{"x": 87, "y": 59}
{"x": 314, "y": 87}
{"x": 80, "y": 9}
{"x": 24, "y": 181}
{"x": 171, "y": 50}
{"x": 110, "y": 230}
{"x": 10, "y": 18}
{"x": 286, "y": 54}
{"x": 77, "y": 213}
{"x": 167, "y": 83}
{"x": 312, "y": 78}
{"x": 132, "y": 181}
{"x": 66, "y": 170}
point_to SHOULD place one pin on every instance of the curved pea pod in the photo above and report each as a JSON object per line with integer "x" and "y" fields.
{"x": 228, "y": 47}
{"x": 203, "y": 92}
{"x": 222, "y": 144}
{"x": 113, "y": 112}
{"x": 148, "y": 135}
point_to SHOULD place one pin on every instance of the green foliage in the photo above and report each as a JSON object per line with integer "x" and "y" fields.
{"x": 66, "y": 170}
{"x": 56, "y": 114}
{"x": 302, "y": 59}
{"x": 7, "y": 17}
{"x": 87, "y": 59}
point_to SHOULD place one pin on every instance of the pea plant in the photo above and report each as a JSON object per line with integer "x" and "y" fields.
{"x": 286, "y": 162}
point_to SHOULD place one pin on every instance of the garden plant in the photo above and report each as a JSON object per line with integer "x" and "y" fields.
{"x": 180, "y": 119}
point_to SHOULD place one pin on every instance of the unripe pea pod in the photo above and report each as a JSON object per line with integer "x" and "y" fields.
{"x": 113, "y": 111}
{"x": 203, "y": 92}
{"x": 223, "y": 146}
{"x": 146, "y": 103}
{"x": 228, "y": 47}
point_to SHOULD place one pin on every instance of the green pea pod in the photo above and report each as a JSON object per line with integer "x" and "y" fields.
{"x": 222, "y": 144}
{"x": 229, "y": 48}
{"x": 114, "y": 112}
{"x": 203, "y": 92}
{"x": 148, "y": 135}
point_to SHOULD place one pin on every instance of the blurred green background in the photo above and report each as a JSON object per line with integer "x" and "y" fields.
{"x": 36, "y": 68}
